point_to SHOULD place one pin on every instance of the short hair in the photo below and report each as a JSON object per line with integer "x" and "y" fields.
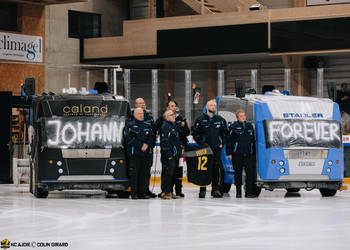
{"x": 138, "y": 99}
{"x": 166, "y": 113}
{"x": 239, "y": 111}
{"x": 168, "y": 102}
{"x": 210, "y": 101}
{"x": 138, "y": 109}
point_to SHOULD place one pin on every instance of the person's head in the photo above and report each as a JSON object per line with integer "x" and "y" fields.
{"x": 171, "y": 105}
{"x": 169, "y": 115}
{"x": 101, "y": 87}
{"x": 240, "y": 115}
{"x": 211, "y": 107}
{"x": 140, "y": 103}
{"x": 138, "y": 114}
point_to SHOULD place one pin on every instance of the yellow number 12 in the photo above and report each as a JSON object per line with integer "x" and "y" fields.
{"x": 201, "y": 163}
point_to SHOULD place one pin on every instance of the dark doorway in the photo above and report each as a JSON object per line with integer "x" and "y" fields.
{"x": 5, "y": 137}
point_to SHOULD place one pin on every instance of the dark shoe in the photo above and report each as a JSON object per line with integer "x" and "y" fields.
{"x": 217, "y": 194}
{"x": 250, "y": 196}
{"x": 201, "y": 194}
{"x": 143, "y": 197}
{"x": 180, "y": 194}
{"x": 238, "y": 193}
{"x": 134, "y": 197}
{"x": 160, "y": 195}
{"x": 151, "y": 195}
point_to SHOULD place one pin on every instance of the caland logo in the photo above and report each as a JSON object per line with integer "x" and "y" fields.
{"x": 85, "y": 110}
{"x": 5, "y": 244}
{"x": 302, "y": 115}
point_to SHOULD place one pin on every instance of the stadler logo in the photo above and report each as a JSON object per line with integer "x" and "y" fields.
{"x": 20, "y": 47}
{"x": 302, "y": 115}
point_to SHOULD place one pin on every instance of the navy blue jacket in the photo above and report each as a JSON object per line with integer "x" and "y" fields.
{"x": 137, "y": 133}
{"x": 183, "y": 131}
{"x": 210, "y": 130}
{"x": 241, "y": 139}
{"x": 170, "y": 144}
{"x": 148, "y": 118}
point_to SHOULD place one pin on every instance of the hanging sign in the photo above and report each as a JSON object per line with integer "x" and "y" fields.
{"x": 21, "y": 47}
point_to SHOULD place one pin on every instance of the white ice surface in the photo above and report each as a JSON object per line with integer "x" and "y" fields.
{"x": 87, "y": 220}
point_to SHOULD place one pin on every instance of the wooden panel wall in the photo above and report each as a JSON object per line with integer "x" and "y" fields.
{"x": 140, "y": 36}
{"x": 31, "y": 22}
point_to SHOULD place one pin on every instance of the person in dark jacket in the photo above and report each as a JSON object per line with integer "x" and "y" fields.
{"x": 140, "y": 140}
{"x": 171, "y": 150}
{"x": 147, "y": 118}
{"x": 184, "y": 131}
{"x": 180, "y": 122}
{"x": 210, "y": 128}
{"x": 241, "y": 150}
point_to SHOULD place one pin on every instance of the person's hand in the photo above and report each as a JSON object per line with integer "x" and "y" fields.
{"x": 182, "y": 124}
{"x": 230, "y": 157}
{"x": 220, "y": 146}
{"x": 144, "y": 147}
{"x": 170, "y": 158}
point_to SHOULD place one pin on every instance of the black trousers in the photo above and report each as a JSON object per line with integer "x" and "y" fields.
{"x": 239, "y": 162}
{"x": 137, "y": 172}
{"x": 178, "y": 175}
{"x": 168, "y": 174}
{"x": 178, "y": 179}
{"x": 149, "y": 163}
{"x": 218, "y": 172}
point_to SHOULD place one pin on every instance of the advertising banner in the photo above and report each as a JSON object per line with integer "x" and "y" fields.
{"x": 21, "y": 47}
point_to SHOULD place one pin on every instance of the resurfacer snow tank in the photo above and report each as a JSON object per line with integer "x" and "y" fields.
{"x": 78, "y": 143}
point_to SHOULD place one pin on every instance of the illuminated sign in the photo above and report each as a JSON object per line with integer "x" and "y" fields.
{"x": 303, "y": 133}
{"x": 83, "y": 132}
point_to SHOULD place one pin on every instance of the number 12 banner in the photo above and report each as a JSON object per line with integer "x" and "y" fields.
{"x": 199, "y": 160}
